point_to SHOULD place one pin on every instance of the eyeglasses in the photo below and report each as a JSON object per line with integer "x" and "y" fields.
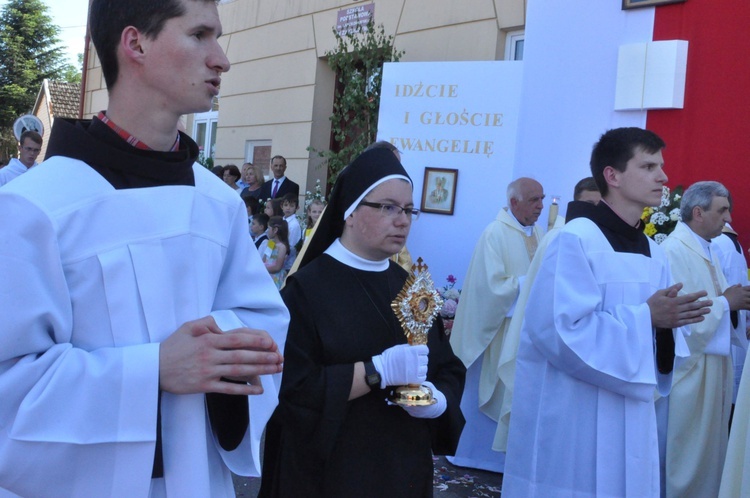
{"x": 31, "y": 149}
{"x": 392, "y": 210}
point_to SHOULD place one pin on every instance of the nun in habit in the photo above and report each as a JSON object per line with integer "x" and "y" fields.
{"x": 334, "y": 434}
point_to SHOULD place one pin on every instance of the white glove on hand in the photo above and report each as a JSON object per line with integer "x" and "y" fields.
{"x": 429, "y": 411}
{"x": 401, "y": 365}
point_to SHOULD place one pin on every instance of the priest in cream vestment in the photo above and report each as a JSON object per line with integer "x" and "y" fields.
{"x": 493, "y": 280}
{"x": 700, "y": 402}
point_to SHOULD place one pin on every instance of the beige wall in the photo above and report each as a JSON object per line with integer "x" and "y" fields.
{"x": 279, "y": 87}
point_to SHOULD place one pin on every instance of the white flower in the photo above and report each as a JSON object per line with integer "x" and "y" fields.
{"x": 677, "y": 197}
{"x": 659, "y": 218}
{"x": 664, "y": 196}
{"x": 451, "y": 294}
{"x": 660, "y": 237}
{"x": 675, "y": 215}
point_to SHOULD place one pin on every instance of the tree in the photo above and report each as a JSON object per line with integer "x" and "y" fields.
{"x": 357, "y": 61}
{"x": 29, "y": 53}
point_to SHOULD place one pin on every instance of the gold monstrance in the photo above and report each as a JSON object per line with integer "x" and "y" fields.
{"x": 416, "y": 306}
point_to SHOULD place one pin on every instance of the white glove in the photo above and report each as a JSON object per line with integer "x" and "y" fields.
{"x": 429, "y": 411}
{"x": 401, "y": 365}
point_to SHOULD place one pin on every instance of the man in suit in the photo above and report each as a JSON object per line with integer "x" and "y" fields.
{"x": 279, "y": 185}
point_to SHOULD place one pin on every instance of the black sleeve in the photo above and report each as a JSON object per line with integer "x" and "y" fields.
{"x": 313, "y": 395}
{"x": 448, "y": 374}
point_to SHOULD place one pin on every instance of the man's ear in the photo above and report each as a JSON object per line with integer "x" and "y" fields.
{"x": 697, "y": 213}
{"x": 611, "y": 176}
{"x": 131, "y": 43}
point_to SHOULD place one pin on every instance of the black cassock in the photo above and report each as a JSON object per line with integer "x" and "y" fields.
{"x": 320, "y": 444}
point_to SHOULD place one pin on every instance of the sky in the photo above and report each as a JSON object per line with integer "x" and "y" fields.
{"x": 70, "y": 17}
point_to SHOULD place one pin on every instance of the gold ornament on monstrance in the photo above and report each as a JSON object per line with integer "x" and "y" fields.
{"x": 416, "y": 307}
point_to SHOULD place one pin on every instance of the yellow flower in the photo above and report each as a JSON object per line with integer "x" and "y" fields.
{"x": 650, "y": 229}
{"x": 647, "y": 212}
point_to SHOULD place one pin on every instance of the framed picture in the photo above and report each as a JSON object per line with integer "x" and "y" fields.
{"x": 439, "y": 190}
{"x": 634, "y": 4}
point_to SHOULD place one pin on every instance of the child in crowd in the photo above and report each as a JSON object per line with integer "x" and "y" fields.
{"x": 258, "y": 227}
{"x": 314, "y": 210}
{"x": 277, "y": 249}
{"x": 253, "y": 207}
{"x": 272, "y": 207}
{"x": 289, "y": 205}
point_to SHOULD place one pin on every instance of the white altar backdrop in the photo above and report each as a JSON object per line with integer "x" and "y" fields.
{"x": 455, "y": 115}
{"x": 552, "y": 115}
{"x": 568, "y": 95}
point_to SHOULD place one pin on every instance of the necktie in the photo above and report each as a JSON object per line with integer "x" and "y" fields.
{"x": 275, "y": 189}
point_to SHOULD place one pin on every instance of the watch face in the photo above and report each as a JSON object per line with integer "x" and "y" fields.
{"x": 373, "y": 379}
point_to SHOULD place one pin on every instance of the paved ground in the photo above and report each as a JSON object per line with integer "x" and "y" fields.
{"x": 449, "y": 482}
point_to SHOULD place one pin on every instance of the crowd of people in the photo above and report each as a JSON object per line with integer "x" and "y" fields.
{"x": 148, "y": 351}
{"x": 275, "y": 228}
{"x": 600, "y": 363}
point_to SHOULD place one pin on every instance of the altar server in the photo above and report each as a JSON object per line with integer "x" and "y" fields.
{"x": 136, "y": 315}
{"x": 598, "y": 339}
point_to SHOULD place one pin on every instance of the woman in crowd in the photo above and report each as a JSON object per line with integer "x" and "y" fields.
{"x": 231, "y": 175}
{"x": 253, "y": 179}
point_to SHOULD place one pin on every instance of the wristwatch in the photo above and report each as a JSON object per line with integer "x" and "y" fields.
{"x": 372, "y": 377}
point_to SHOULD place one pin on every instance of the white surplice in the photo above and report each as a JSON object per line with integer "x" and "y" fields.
{"x": 506, "y": 368}
{"x": 584, "y": 422}
{"x": 701, "y": 397}
{"x": 734, "y": 266}
{"x": 735, "y": 479}
{"x": 13, "y": 169}
{"x": 92, "y": 279}
{"x": 500, "y": 260}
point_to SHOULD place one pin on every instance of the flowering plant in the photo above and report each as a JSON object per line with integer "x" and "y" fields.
{"x": 661, "y": 220}
{"x": 450, "y": 298}
{"x": 207, "y": 161}
{"x": 316, "y": 196}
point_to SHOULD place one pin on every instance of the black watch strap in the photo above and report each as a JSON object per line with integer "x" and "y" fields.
{"x": 372, "y": 377}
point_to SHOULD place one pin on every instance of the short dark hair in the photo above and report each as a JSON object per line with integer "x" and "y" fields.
{"x": 618, "y": 146}
{"x": 279, "y": 157}
{"x": 262, "y": 219}
{"x": 108, "y": 19}
{"x": 291, "y": 197}
{"x": 253, "y": 203}
{"x": 32, "y": 135}
{"x": 233, "y": 170}
{"x": 588, "y": 184}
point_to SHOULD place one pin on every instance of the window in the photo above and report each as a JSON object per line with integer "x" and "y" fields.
{"x": 204, "y": 132}
{"x": 514, "y": 45}
{"x": 259, "y": 152}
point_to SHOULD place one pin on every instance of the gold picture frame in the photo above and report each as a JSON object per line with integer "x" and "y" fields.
{"x": 637, "y": 4}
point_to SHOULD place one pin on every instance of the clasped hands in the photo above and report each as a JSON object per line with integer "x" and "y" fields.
{"x": 671, "y": 310}
{"x": 196, "y": 357}
{"x": 738, "y": 297}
